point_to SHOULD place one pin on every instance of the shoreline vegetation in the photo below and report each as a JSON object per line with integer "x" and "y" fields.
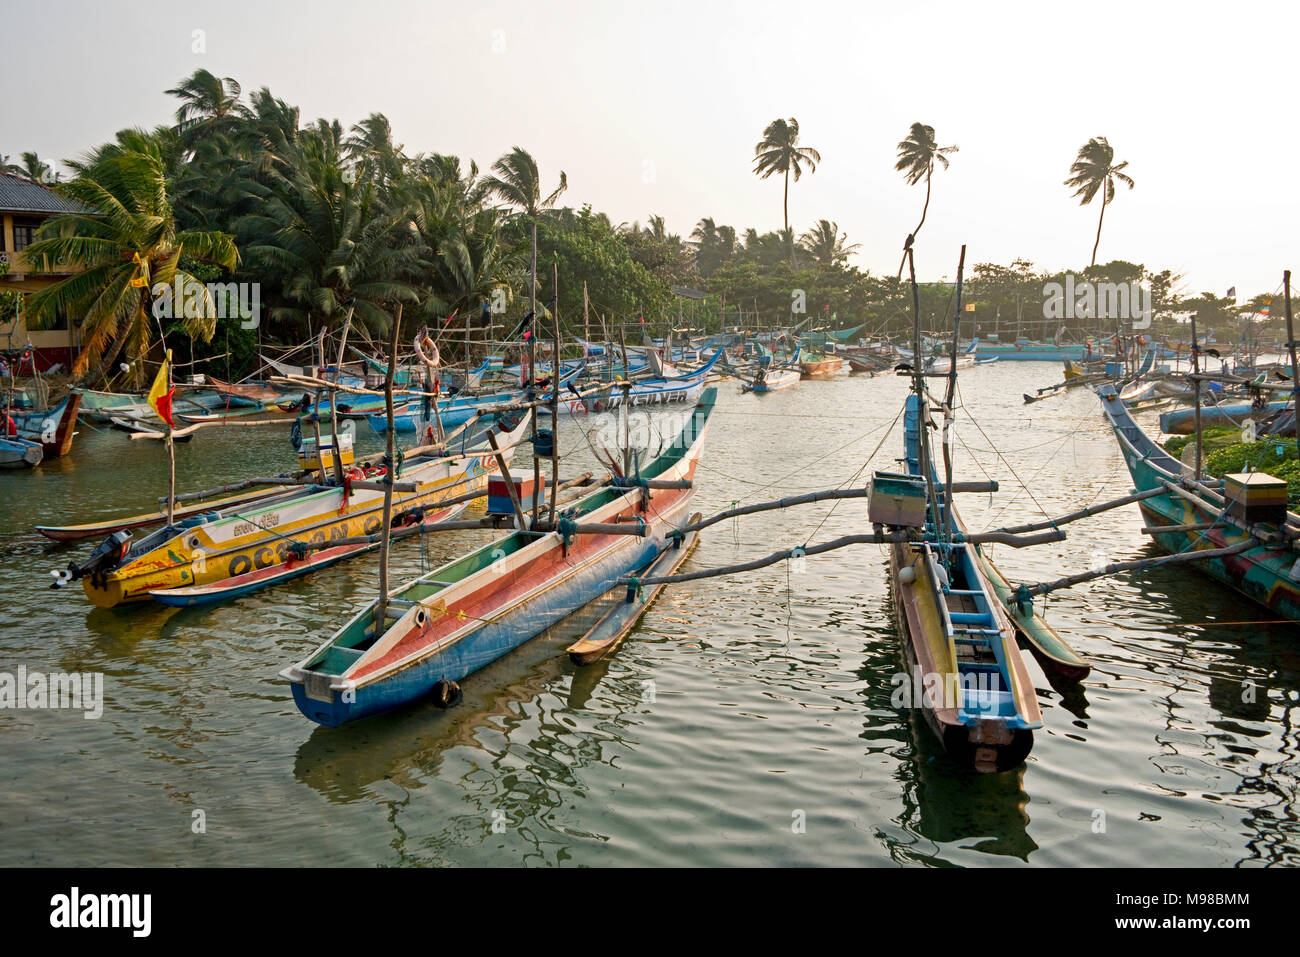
{"x": 242, "y": 189}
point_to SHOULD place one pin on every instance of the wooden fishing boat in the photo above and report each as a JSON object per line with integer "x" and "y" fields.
{"x": 245, "y": 414}
{"x": 454, "y": 411}
{"x": 211, "y": 546}
{"x": 54, "y": 428}
{"x": 960, "y": 642}
{"x": 457, "y": 619}
{"x": 293, "y": 567}
{"x": 620, "y": 609}
{"x": 773, "y": 380}
{"x": 1194, "y": 517}
{"x": 684, "y": 389}
{"x": 16, "y": 453}
{"x": 76, "y": 533}
{"x": 102, "y": 406}
{"x": 860, "y": 365}
{"x": 820, "y": 366}
{"x": 137, "y": 427}
{"x": 1183, "y": 421}
{"x": 942, "y": 361}
{"x": 256, "y": 394}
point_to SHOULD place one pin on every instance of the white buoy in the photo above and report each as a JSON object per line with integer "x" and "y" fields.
{"x": 907, "y": 575}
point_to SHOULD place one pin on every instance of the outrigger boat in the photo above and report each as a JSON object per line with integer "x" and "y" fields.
{"x": 294, "y": 566}
{"x": 820, "y": 366}
{"x": 452, "y": 412}
{"x": 53, "y": 428}
{"x": 976, "y": 696}
{"x": 16, "y": 453}
{"x": 76, "y": 533}
{"x": 211, "y": 546}
{"x": 1258, "y": 561}
{"x": 772, "y": 377}
{"x": 422, "y": 638}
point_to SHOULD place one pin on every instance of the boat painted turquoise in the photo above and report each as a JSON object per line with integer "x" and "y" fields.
{"x": 1263, "y": 574}
{"x": 1024, "y": 350}
{"x": 1183, "y": 421}
{"x": 452, "y": 412}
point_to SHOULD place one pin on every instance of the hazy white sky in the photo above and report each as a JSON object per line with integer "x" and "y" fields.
{"x": 655, "y": 107}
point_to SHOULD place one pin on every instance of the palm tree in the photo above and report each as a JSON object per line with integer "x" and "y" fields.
{"x": 32, "y": 168}
{"x": 323, "y": 239}
{"x": 206, "y": 101}
{"x": 779, "y": 152}
{"x": 126, "y": 242}
{"x": 917, "y": 156}
{"x": 1092, "y": 169}
{"x": 518, "y": 183}
{"x": 826, "y": 244}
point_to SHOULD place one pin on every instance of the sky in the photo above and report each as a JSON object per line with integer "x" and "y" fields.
{"x": 655, "y": 108}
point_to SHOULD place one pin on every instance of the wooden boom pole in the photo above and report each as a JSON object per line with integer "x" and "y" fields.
{"x": 390, "y": 461}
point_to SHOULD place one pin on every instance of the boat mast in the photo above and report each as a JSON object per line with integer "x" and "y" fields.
{"x": 171, "y": 445}
{"x": 1290, "y": 341}
{"x": 531, "y": 391}
{"x": 947, "y": 405}
{"x": 555, "y": 387}
{"x": 1196, "y": 383}
{"x": 389, "y": 478}
{"x": 334, "y": 401}
{"x": 918, "y": 387}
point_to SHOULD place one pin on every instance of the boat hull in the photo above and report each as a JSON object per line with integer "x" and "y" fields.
{"x": 1263, "y": 574}
{"x": 492, "y": 600}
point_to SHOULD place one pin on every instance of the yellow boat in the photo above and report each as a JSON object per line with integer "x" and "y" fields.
{"x": 1073, "y": 370}
{"x": 213, "y": 546}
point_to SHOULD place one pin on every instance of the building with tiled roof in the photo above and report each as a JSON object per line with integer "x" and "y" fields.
{"x": 24, "y": 206}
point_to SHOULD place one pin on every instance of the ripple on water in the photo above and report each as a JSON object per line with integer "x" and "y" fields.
{"x": 740, "y": 709}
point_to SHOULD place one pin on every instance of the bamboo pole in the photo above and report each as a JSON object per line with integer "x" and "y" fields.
{"x": 1204, "y": 554}
{"x": 555, "y": 387}
{"x": 1196, "y": 370}
{"x": 874, "y": 538}
{"x": 334, "y": 406}
{"x": 532, "y": 368}
{"x": 948, "y": 400}
{"x": 1290, "y": 340}
{"x": 171, "y": 450}
{"x": 389, "y": 476}
{"x": 510, "y": 484}
{"x": 1084, "y": 512}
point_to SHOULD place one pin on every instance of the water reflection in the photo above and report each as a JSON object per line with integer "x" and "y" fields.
{"x": 772, "y": 689}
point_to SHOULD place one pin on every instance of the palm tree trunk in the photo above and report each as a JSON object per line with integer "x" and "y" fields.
{"x": 110, "y": 357}
{"x": 926, "y": 208}
{"x": 786, "y": 205}
{"x": 1099, "y": 219}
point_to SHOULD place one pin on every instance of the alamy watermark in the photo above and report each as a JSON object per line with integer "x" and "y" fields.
{"x": 1084, "y": 299}
{"x": 190, "y": 299}
{"x": 36, "y": 690}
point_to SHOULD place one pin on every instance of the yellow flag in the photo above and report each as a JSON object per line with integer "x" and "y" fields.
{"x": 142, "y": 279}
{"x": 160, "y": 396}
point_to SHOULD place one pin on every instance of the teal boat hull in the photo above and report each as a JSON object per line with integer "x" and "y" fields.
{"x": 1263, "y": 574}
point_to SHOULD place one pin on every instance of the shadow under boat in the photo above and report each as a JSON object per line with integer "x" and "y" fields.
{"x": 342, "y": 763}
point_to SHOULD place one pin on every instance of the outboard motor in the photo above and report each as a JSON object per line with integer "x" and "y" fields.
{"x": 109, "y": 553}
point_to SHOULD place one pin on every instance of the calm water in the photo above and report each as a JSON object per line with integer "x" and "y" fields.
{"x": 737, "y": 703}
